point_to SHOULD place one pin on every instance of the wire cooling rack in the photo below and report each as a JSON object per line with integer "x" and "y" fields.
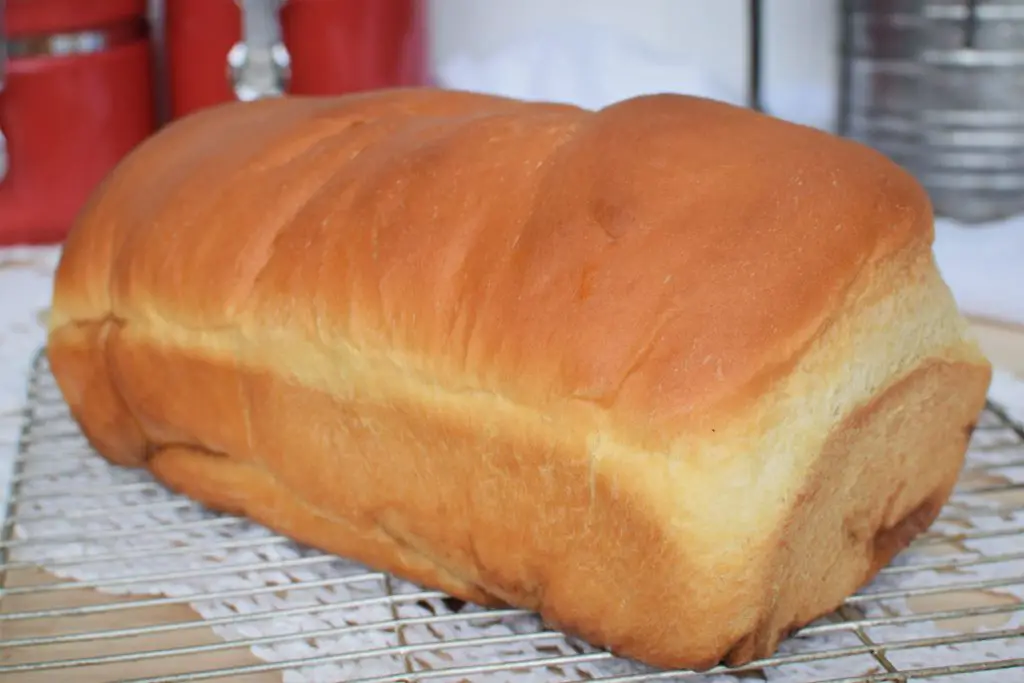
{"x": 106, "y": 576}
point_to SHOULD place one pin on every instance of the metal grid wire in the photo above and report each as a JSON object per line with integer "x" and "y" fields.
{"x": 950, "y": 608}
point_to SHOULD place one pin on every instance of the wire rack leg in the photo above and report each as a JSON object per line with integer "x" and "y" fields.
{"x": 852, "y": 614}
{"x": 389, "y": 588}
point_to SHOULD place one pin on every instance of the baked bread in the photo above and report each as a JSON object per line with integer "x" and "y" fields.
{"x": 677, "y": 375}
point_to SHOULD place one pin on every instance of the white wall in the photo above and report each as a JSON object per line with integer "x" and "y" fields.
{"x": 800, "y": 42}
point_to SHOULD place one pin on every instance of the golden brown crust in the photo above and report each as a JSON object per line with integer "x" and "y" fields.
{"x": 707, "y": 244}
{"x": 676, "y": 375}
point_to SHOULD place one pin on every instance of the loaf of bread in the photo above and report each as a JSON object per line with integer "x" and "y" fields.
{"x": 678, "y": 376}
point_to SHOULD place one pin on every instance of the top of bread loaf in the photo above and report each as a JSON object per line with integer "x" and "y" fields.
{"x": 661, "y": 257}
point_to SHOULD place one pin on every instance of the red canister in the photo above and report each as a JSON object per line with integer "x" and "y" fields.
{"x": 76, "y": 97}
{"x": 326, "y": 46}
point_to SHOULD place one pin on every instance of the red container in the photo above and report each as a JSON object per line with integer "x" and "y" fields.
{"x": 335, "y": 46}
{"x": 77, "y": 98}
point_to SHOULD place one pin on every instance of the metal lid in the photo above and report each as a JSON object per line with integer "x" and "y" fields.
{"x": 40, "y": 17}
{"x": 79, "y": 42}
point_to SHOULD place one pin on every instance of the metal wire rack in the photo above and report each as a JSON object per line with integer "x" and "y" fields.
{"x": 106, "y": 576}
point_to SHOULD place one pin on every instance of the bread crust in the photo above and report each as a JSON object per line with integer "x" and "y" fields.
{"x": 676, "y": 375}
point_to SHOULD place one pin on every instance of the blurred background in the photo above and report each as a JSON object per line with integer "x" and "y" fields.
{"x": 938, "y": 85}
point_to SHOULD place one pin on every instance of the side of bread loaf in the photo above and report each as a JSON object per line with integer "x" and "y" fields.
{"x": 679, "y": 376}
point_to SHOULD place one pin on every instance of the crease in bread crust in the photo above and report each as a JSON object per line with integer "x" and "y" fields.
{"x": 482, "y": 443}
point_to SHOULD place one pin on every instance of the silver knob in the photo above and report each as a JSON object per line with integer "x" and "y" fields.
{"x": 259, "y": 65}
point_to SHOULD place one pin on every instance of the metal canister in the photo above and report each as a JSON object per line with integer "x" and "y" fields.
{"x": 938, "y": 85}
{"x": 76, "y": 97}
{"x": 223, "y": 50}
